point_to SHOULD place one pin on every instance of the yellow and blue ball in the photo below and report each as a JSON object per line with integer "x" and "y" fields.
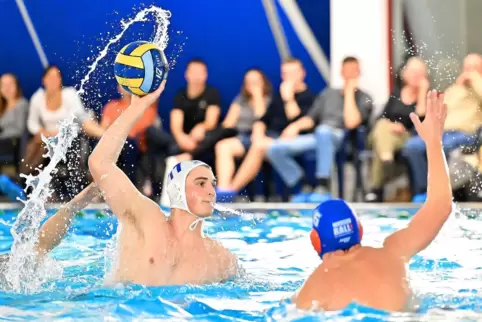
{"x": 140, "y": 67}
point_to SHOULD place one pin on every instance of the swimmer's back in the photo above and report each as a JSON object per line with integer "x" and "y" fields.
{"x": 372, "y": 276}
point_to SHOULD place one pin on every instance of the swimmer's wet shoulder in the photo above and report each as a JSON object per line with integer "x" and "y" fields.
{"x": 368, "y": 275}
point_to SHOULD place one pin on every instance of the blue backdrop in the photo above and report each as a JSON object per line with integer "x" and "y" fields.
{"x": 230, "y": 36}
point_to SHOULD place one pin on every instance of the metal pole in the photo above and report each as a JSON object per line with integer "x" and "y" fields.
{"x": 307, "y": 38}
{"x": 276, "y": 29}
{"x": 32, "y": 32}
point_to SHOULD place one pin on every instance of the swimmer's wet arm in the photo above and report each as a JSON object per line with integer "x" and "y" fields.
{"x": 119, "y": 192}
{"x": 56, "y": 227}
{"x": 428, "y": 221}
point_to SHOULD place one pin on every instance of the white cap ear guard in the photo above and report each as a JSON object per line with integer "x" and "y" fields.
{"x": 176, "y": 183}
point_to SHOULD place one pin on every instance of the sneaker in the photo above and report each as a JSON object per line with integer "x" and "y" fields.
{"x": 374, "y": 196}
{"x": 225, "y": 195}
{"x": 301, "y": 197}
{"x": 317, "y": 197}
{"x": 419, "y": 198}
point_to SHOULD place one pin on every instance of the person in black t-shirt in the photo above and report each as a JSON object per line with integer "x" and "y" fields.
{"x": 292, "y": 102}
{"x": 393, "y": 128}
{"x": 196, "y": 110}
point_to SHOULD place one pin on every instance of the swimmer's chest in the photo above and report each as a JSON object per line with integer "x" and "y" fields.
{"x": 196, "y": 265}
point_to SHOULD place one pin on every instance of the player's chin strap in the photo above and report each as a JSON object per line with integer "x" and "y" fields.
{"x": 194, "y": 224}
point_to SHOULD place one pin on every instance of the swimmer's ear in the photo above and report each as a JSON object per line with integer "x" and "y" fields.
{"x": 315, "y": 241}
{"x": 360, "y": 230}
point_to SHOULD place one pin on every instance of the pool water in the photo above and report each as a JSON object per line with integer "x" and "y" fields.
{"x": 275, "y": 252}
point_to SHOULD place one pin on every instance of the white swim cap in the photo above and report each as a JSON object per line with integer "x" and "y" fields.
{"x": 176, "y": 185}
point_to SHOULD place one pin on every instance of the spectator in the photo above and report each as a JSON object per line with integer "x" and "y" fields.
{"x": 249, "y": 106}
{"x": 334, "y": 111}
{"x": 293, "y": 102}
{"x": 464, "y": 117}
{"x": 393, "y": 128}
{"x": 244, "y": 109}
{"x": 135, "y": 144}
{"x": 48, "y": 106}
{"x": 196, "y": 110}
{"x": 13, "y": 114}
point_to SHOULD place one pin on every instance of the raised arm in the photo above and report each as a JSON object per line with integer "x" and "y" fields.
{"x": 54, "y": 229}
{"x": 428, "y": 221}
{"x": 119, "y": 192}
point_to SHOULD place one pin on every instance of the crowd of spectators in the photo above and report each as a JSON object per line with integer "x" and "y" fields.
{"x": 273, "y": 142}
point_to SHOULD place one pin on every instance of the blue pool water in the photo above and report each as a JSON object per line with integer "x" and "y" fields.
{"x": 273, "y": 248}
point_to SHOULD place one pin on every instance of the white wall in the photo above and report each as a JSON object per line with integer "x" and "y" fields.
{"x": 360, "y": 29}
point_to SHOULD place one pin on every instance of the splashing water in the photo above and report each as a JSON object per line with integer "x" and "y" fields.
{"x": 23, "y": 273}
{"x": 160, "y": 36}
{"x": 443, "y": 67}
{"x": 20, "y": 271}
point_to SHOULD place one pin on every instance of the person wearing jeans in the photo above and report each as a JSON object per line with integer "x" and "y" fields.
{"x": 333, "y": 112}
{"x": 393, "y": 128}
{"x": 415, "y": 150}
{"x": 326, "y": 141}
{"x": 464, "y": 118}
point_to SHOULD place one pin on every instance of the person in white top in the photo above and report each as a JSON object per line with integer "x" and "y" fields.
{"x": 48, "y": 106}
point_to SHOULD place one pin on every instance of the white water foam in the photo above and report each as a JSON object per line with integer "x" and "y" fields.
{"x": 19, "y": 272}
{"x": 160, "y": 36}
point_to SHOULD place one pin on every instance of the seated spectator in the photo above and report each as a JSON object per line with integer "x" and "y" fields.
{"x": 135, "y": 144}
{"x": 464, "y": 117}
{"x": 466, "y": 175}
{"x": 393, "y": 128}
{"x": 13, "y": 114}
{"x": 293, "y": 102}
{"x": 196, "y": 110}
{"x": 334, "y": 111}
{"x": 48, "y": 106}
{"x": 249, "y": 106}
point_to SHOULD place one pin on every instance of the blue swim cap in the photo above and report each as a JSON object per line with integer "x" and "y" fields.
{"x": 335, "y": 227}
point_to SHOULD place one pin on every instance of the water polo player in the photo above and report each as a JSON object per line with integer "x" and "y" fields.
{"x": 154, "y": 249}
{"x": 376, "y": 277}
